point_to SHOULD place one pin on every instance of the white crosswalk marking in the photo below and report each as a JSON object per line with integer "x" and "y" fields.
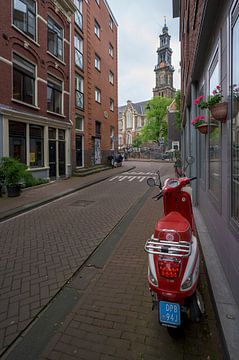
{"x": 132, "y": 178}
{"x": 142, "y": 178}
{"x": 122, "y": 178}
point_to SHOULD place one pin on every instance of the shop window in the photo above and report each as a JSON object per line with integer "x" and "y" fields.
{"x": 54, "y": 95}
{"x": 55, "y": 38}
{"x": 17, "y": 140}
{"x": 36, "y": 146}
{"x": 23, "y": 80}
{"x": 79, "y": 51}
{"x": 78, "y": 14}
{"x": 79, "y": 88}
{"x": 214, "y": 136}
{"x": 24, "y": 16}
{"x": 235, "y": 118}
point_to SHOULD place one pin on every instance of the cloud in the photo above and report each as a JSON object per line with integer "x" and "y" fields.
{"x": 140, "y": 23}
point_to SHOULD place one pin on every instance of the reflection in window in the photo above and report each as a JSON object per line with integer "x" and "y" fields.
{"x": 36, "y": 146}
{"x": 79, "y": 88}
{"x": 78, "y": 51}
{"x": 214, "y": 136}
{"x": 55, "y": 38}
{"x": 202, "y": 146}
{"x": 54, "y": 95}
{"x": 17, "y": 140}
{"x": 24, "y": 16}
{"x": 23, "y": 80}
{"x": 235, "y": 122}
{"x": 78, "y": 14}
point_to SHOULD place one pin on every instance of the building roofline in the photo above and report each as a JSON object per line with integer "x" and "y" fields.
{"x": 111, "y": 13}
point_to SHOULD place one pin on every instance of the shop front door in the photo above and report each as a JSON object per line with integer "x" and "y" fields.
{"x": 52, "y": 158}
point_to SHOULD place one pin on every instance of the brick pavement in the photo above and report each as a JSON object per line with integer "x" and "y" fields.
{"x": 36, "y": 195}
{"x": 42, "y": 249}
{"x": 113, "y": 318}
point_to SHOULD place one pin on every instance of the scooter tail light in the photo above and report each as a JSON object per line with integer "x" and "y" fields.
{"x": 169, "y": 269}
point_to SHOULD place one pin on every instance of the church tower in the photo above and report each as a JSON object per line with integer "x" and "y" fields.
{"x": 164, "y": 69}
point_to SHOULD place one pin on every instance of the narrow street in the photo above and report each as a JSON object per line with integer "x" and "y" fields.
{"x": 73, "y": 279}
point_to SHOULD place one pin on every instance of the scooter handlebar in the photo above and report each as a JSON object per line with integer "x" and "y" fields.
{"x": 193, "y": 178}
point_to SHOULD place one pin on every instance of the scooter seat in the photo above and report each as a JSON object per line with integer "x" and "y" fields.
{"x": 173, "y": 221}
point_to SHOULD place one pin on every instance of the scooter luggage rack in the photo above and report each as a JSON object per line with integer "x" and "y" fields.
{"x": 179, "y": 249}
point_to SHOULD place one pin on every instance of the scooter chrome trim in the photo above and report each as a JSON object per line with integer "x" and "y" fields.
{"x": 179, "y": 249}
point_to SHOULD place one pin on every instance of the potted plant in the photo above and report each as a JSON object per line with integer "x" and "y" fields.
{"x": 214, "y": 103}
{"x": 12, "y": 172}
{"x": 200, "y": 124}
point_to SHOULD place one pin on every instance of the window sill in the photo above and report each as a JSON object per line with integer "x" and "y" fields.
{"x": 57, "y": 114}
{"x": 26, "y": 36}
{"x": 25, "y": 104}
{"x": 56, "y": 58}
{"x": 36, "y": 168}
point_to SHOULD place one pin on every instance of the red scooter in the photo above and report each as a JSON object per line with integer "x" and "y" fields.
{"x": 173, "y": 257}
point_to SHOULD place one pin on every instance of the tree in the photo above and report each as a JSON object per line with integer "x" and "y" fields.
{"x": 156, "y": 126}
{"x": 178, "y": 105}
{"x": 137, "y": 141}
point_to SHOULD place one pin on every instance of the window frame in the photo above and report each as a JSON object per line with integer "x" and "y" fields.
{"x": 79, "y": 91}
{"x": 111, "y": 77}
{"x": 37, "y": 139}
{"x": 97, "y": 29}
{"x": 78, "y": 18}
{"x": 29, "y": 11}
{"x": 21, "y": 68}
{"x": 97, "y": 62}
{"x": 111, "y": 104}
{"x": 54, "y": 83}
{"x": 79, "y": 50}
{"x": 55, "y": 26}
{"x": 98, "y": 95}
{"x": 111, "y": 50}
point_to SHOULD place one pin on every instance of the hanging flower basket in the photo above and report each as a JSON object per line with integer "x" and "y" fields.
{"x": 219, "y": 111}
{"x": 204, "y": 128}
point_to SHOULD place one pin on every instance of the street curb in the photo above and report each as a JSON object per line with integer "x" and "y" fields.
{"x": 226, "y": 308}
{"x": 22, "y": 209}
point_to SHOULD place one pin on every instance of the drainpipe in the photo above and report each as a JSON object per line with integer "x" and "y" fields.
{"x": 193, "y": 141}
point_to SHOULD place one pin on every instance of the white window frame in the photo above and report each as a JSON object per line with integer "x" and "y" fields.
{"x": 98, "y": 95}
{"x": 97, "y": 29}
{"x": 97, "y": 62}
{"x": 111, "y": 77}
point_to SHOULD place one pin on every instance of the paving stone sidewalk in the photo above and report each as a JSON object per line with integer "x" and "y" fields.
{"x": 113, "y": 318}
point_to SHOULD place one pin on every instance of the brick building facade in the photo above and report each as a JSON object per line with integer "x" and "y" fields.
{"x": 94, "y": 65}
{"x": 209, "y": 58}
{"x": 58, "y": 84}
{"x": 35, "y": 85}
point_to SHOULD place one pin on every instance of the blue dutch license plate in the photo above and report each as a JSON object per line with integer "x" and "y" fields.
{"x": 169, "y": 313}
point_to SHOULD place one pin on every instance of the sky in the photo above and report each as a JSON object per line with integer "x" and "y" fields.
{"x": 140, "y": 23}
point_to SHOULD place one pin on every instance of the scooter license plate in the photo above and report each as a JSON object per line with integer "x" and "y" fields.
{"x": 169, "y": 313}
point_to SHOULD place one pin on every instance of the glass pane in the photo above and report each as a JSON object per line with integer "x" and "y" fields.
{"x": 49, "y": 98}
{"x": 28, "y": 90}
{"x": 235, "y": 122}
{"x": 78, "y": 59}
{"x": 17, "y": 85}
{"x": 79, "y": 99}
{"x": 17, "y": 140}
{"x": 52, "y": 42}
{"x": 31, "y": 24}
{"x": 20, "y": 15}
{"x": 79, "y": 123}
{"x": 52, "y": 133}
{"x": 214, "y": 138}
{"x": 57, "y": 102}
{"x": 36, "y": 152}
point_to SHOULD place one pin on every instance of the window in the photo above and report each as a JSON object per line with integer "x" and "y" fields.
{"x": 79, "y": 88}
{"x": 55, "y": 38}
{"x": 79, "y": 123}
{"x": 98, "y": 2}
{"x": 97, "y": 128}
{"x": 111, "y": 50}
{"x": 54, "y": 95}
{"x": 97, "y": 29}
{"x": 24, "y": 16}
{"x": 111, "y": 105}
{"x": 111, "y": 77}
{"x": 17, "y": 140}
{"x": 235, "y": 120}
{"x": 97, "y": 62}
{"x": 214, "y": 136}
{"x": 36, "y": 146}
{"x": 78, "y": 14}
{"x": 129, "y": 120}
{"x": 79, "y": 51}
{"x": 23, "y": 80}
{"x": 97, "y": 95}
{"x": 202, "y": 146}
{"x": 111, "y": 23}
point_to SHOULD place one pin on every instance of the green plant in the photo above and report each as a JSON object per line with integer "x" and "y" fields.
{"x": 29, "y": 180}
{"x": 199, "y": 120}
{"x": 12, "y": 171}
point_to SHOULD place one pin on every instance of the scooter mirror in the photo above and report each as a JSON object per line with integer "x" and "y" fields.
{"x": 151, "y": 182}
{"x": 190, "y": 160}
